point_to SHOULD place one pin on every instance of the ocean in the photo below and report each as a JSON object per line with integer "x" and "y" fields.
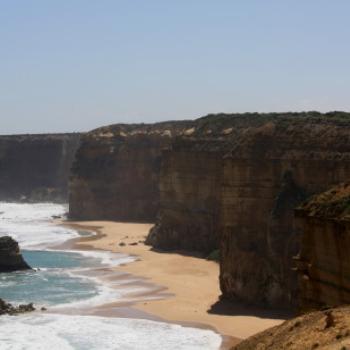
{"x": 61, "y": 280}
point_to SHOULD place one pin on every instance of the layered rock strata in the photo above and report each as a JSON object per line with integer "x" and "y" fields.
{"x": 190, "y": 188}
{"x": 268, "y": 171}
{"x": 324, "y": 261}
{"x": 11, "y": 258}
{"x": 223, "y": 180}
{"x": 36, "y": 167}
{"x": 191, "y": 184}
{"x": 116, "y": 172}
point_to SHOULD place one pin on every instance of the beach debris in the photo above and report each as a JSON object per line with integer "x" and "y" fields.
{"x": 122, "y": 244}
{"x": 133, "y": 243}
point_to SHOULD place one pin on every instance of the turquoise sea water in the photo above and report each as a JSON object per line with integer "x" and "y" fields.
{"x": 52, "y": 282}
{"x": 61, "y": 278}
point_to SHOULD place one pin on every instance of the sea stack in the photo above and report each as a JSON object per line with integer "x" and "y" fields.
{"x": 11, "y": 258}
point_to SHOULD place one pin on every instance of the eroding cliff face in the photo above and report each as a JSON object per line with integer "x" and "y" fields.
{"x": 324, "y": 261}
{"x": 36, "y": 167}
{"x": 231, "y": 181}
{"x": 190, "y": 200}
{"x": 116, "y": 172}
{"x": 191, "y": 184}
{"x": 269, "y": 170}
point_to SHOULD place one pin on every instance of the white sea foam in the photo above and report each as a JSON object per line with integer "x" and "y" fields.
{"x": 30, "y": 224}
{"x": 105, "y": 258}
{"x": 62, "y": 332}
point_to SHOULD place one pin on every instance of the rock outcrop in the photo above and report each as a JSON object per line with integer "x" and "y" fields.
{"x": 324, "y": 261}
{"x": 116, "y": 172}
{"x": 223, "y": 180}
{"x": 36, "y": 167}
{"x": 326, "y": 330}
{"x": 9, "y": 309}
{"x": 10, "y": 257}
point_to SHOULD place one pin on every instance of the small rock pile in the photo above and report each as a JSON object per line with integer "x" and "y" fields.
{"x": 9, "y": 309}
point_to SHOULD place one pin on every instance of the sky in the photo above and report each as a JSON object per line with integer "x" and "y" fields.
{"x": 74, "y": 65}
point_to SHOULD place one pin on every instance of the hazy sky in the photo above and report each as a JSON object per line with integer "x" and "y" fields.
{"x": 70, "y": 65}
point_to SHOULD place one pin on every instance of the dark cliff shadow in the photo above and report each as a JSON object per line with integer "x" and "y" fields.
{"x": 230, "y": 308}
{"x": 180, "y": 252}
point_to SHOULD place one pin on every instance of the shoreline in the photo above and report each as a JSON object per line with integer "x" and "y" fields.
{"x": 187, "y": 286}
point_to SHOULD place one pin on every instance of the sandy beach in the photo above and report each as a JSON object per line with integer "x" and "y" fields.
{"x": 191, "y": 284}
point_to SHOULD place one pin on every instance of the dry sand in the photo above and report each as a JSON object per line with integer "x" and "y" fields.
{"x": 192, "y": 282}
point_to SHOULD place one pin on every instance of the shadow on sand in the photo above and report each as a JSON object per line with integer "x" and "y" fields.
{"x": 229, "y": 308}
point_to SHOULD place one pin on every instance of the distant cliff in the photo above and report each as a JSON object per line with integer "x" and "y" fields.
{"x": 227, "y": 181}
{"x": 36, "y": 167}
{"x": 324, "y": 261}
{"x": 326, "y": 330}
{"x": 116, "y": 172}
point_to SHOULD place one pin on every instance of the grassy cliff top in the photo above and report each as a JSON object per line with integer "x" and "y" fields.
{"x": 219, "y": 124}
{"x": 304, "y": 135}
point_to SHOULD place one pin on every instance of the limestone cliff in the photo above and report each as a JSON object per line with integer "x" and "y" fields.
{"x": 268, "y": 171}
{"x": 36, "y": 167}
{"x": 236, "y": 179}
{"x": 116, "y": 172}
{"x": 223, "y": 180}
{"x": 324, "y": 261}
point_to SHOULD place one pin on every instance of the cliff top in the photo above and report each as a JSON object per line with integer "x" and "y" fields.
{"x": 305, "y": 135}
{"x": 223, "y": 124}
{"x": 167, "y": 128}
{"x": 333, "y": 204}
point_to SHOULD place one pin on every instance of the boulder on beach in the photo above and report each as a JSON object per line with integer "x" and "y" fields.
{"x": 11, "y": 258}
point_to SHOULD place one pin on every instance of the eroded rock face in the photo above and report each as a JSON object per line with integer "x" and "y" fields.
{"x": 36, "y": 168}
{"x": 327, "y": 330}
{"x": 222, "y": 180}
{"x": 324, "y": 261}
{"x": 9, "y": 309}
{"x": 270, "y": 169}
{"x": 10, "y": 257}
{"x": 116, "y": 172}
{"x": 190, "y": 189}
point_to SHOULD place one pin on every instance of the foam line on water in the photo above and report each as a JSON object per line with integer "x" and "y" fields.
{"x": 30, "y": 224}
{"x": 64, "y": 332}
